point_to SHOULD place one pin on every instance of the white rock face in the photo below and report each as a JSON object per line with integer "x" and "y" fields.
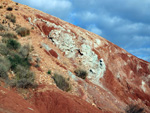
{"x": 46, "y": 46}
{"x": 97, "y": 43}
{"x": 143, "y": 86}
{"x": 95, "y": 66}
{"x": 49, "y": 24}
{"x": 72, "y": 76}
{"x": 29, "y": 19}
{"x": 65, "y": 42}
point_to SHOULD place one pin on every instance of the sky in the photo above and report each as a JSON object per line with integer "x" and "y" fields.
{"x": 125, "y": 23}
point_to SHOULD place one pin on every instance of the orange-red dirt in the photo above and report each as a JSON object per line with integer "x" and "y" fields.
{"x": 124, "y": 81}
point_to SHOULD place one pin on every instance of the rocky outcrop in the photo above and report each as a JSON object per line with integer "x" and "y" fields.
{"x": 115, "y": 78}
{"x": 110, "y": 68}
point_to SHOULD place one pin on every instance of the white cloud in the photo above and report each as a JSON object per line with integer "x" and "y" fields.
{"x": 126, "y": 23}
{"x": 59, "y": 8}
{"x": 143, "y": 53}
{"x": 138, "y": 51}
{"x": 88, "y": 16}
{"x": 95, "y": 29}
{"x": 138, "y": 42}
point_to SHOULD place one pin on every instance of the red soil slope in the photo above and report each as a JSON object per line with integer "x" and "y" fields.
{"x": 115, "y": 78}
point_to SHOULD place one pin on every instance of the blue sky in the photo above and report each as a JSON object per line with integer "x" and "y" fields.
{"x": 126, "y": 23}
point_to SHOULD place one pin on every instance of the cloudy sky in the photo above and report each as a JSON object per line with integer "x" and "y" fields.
{"x": 126, "y": 23}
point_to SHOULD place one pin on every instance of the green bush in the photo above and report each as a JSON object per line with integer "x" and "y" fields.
{"x": 61, "y": 82}
{"x": 25, "y": 50}
{"x": 15, "y": 59}
{"x": 25, "y": 83}
{"x": 49, "y": 72}
{"x": 11, "y": 17}
{"x": 3, "y": 71}
{"x": 3, "y": 49}
{"x": 134, "y": 109}
{"x": 24, "y": 77}
{"x": 81, "y": 73}
{"x": 4, "y": 67}
{"x": 5, "y": 61}
{"x": 22, "y": 72}
{"x": 8, "y": 35}
{"x": 22, "y": 31}
{"x": 18, "y": 61}
{"x": 2, "y": 27}
{"x": 22, "y": 83}
{"x": 13, "y": 44}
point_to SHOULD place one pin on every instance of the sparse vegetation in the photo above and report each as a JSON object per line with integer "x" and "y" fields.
{"x": 22, "y": 31}
{"x": 11, "y": 17}
{"x": 134, "y": 109}
{"x": 8, "y": 35}
{"x": 2, "y": 27}
{"x": 3, "y": 49}
{"x": 17, "y": 60}
{"x": 13, "y": 44}
{"x": 61, "y": 82}
{"x": 4, "y": 67}
{"x": 81, "y": 73}
{"x": 24, "y": 78}
{"x": 3, "y": 71}
{"x": 24, "y": 51}
{"x": 49, "y": 72}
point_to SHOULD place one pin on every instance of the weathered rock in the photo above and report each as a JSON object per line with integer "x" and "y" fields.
{"x": 115, "y": 77}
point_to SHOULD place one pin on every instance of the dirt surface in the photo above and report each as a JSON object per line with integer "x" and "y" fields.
{"x": 115, "y": 78}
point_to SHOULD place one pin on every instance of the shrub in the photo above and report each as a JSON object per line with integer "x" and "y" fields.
{"x": 13, "y": 44}
{"x": 4, "y": 40}
{"x": 22, "y": 72}
{"x": 49, "y": 72}
{"x": 15, "y": 59}
{"x": 4, "y": 67}
{"x": 24, "y": 51}
{"x": 9, "y": 8}
{"x": 3, "y": 71}
{"x": 11, "y": 17}
{"x": 8, "y": 35}
{"x": 61, "y": 82}
{"x": 24, "y": 77}
{"x": 81, "y": 73}
{"x": 3, "y": 49}
{"x": 2, "y": 27}
{"x": 25, "y": 83}
{"x": 6, "y": 62}
{"x": 134, "y": 109}
{"x": 22, "y": 31}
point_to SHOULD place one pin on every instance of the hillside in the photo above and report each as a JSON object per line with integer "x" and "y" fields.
{"x": 98, "y": 76}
